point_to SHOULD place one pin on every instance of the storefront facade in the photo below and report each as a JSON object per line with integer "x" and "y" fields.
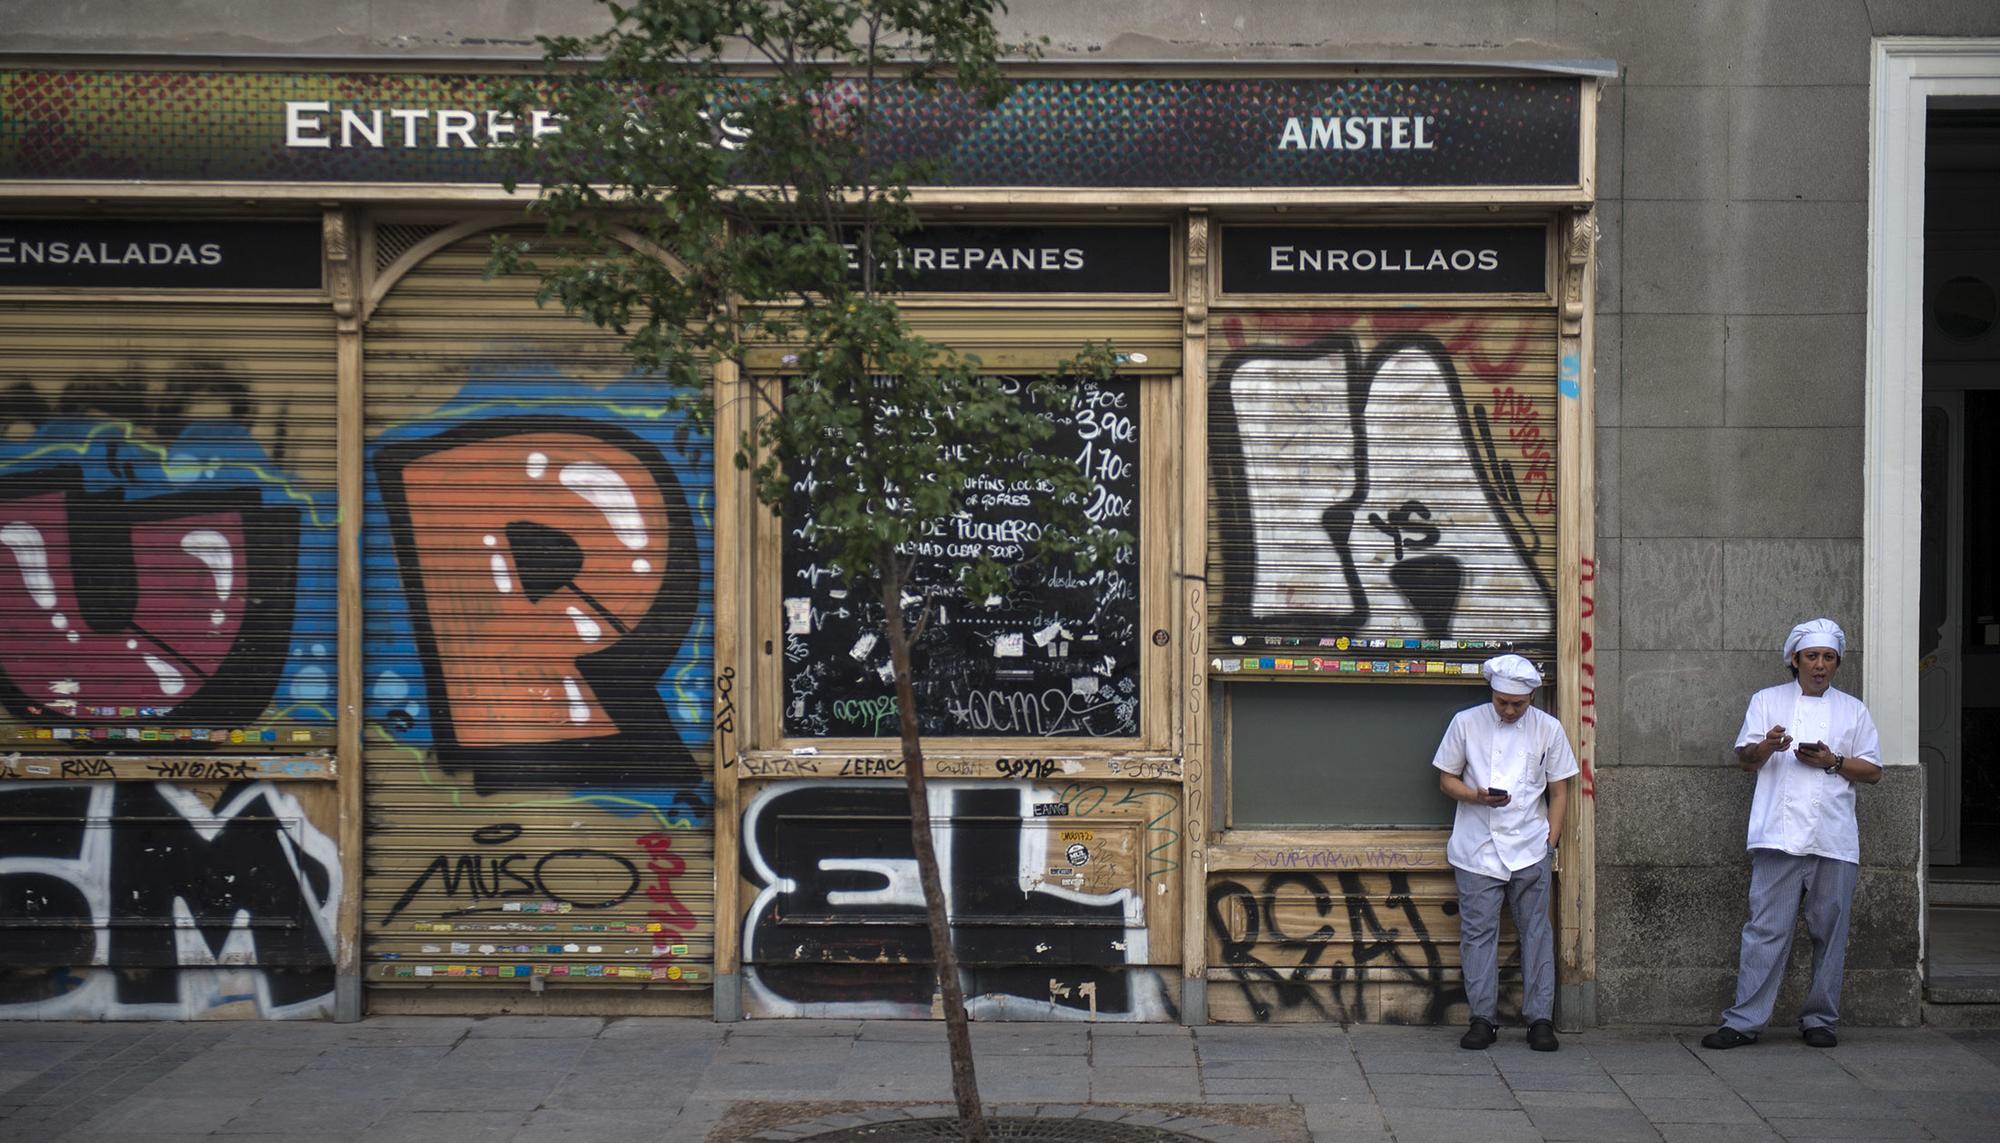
{"x": 516, "y": 703}
{"x": 554, "y": 664}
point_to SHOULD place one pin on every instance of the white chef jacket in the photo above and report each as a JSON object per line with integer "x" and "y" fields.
{"x": 1803, "y": 810}
{"x": 1522, "y": 758}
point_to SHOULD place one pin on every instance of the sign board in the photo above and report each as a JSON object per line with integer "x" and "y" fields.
{"x": 1035, "y": 260}
{"x": 1384, "y": 259}
{"x": 1205, "y": 131}
{"x": 177, "y": 255}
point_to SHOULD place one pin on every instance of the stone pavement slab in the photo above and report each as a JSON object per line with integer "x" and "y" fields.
{"x": 537, "y": 1079}
{"x": 1594, "y": 1124}
{"x": 1445, "y": 1092}
{"x": 1706, "y": 1133}
{"x": 1578, "y": 1080}
{"x": 150, "y": 1114}
{"x": 429, "y": 1126}
{"x": 1143, "y": 1085}
{"x": 1140, "y": 1051}
{"x": 1469, "y": 1126}
{"x": 1437, "y": 1061}
{"x": 1870, "y": 1129}
{"x": 539, "y": 1027}
{"x": 1726, "y": 1109}
{"x": 1303, "y": 1072}
{"x": 1532, "y": 1100}
{"x": 281, "y": 1114}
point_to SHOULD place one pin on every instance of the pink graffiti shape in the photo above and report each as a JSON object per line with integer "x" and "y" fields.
{"x": 192, "y": 594}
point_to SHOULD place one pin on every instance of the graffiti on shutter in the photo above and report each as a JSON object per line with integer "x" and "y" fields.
{"x": 167, "y": 620}
{"x": 1384, "y": 490}
{"x": 538, "y": 664}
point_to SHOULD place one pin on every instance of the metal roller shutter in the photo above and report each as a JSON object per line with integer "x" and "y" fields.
{"x": 1384, "y": 490}
{"x": 1037, "y": 340}
{"x": 167, "y": 514}
{"x": 167, "y": 632}
{"x": 539, "y": 633}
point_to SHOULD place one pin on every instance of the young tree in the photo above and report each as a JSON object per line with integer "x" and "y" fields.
{"x": 742, "y": 141}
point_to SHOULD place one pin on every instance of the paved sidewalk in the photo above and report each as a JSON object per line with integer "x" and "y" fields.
{"x": 627, "y": 1081}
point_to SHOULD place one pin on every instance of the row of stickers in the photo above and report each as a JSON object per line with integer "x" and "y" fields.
{"x": 303, "y": 736}
{"x": 672, "y": 972}
{"x": 1320, "y": 665}
{"x": 466, "y": 948}
{"x": 1343, "y": 643}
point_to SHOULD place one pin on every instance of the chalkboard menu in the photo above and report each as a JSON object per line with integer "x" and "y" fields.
{"x": 1057, "y": 655}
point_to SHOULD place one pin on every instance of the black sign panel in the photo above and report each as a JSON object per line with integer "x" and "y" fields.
{"x": 1035, "y": 260}
{"x": 178, "y": 255}
{"x": 1054, "y": 131}
{"x": 1384, "y": 259}
{"x": 1056, "y": 655}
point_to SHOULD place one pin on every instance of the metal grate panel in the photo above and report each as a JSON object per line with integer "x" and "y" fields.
{"x": 392, "y": 241}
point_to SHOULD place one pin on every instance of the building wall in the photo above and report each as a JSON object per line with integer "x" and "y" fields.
{"x": 1731, "y": 327}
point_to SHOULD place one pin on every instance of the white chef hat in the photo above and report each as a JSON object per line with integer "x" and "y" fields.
{"x": 1816, "y": 633}
{"x": 1511, "y": 675}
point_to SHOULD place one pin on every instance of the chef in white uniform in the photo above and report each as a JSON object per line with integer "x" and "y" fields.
{"x": 1496, "y": 761}
{"x": 1809, "y": 745}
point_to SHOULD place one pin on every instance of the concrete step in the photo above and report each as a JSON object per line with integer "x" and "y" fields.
{"x": 1981, "y": 988}
{"x": 1961, "y": 1015}
{"x": 1964, "y": 894}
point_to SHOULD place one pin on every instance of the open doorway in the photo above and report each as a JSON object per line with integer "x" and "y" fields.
{"x": 1959, "y": 596}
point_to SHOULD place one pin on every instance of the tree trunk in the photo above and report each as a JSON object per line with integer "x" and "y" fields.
{"x": 958, "y": 1032}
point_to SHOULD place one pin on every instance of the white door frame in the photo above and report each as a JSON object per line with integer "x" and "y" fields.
{"x": 1908, "y": 72}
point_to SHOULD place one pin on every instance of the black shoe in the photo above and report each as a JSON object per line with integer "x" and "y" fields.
{"x": 1479, "y": 1037}
{"x": 1820, "y": 1036}
{"x": 1542, "y": 1036}
{"x": 1727, "y": 1037}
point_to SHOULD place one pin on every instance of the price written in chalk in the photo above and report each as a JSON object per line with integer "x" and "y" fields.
{"x": 1054, "y": 654}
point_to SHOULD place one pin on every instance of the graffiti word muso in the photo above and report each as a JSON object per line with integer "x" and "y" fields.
{"x": 583, "y": 878}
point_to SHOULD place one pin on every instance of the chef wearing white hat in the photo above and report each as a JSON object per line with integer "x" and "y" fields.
{"x": 1809, "y": 744}
{"x": 1496, "y": 761}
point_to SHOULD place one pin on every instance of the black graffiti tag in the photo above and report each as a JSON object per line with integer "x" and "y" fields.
{"x": 483, "y": 876}
{"x": 1371, "y": 943}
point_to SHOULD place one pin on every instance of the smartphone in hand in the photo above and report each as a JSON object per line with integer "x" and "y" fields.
{"x": 1496, "y": 791}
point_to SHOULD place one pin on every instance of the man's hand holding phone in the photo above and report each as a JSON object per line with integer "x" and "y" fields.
{"x": 1494, "y": 797}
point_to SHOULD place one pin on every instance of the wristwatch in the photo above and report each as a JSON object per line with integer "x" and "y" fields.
{"x": 1839, "y": 760}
